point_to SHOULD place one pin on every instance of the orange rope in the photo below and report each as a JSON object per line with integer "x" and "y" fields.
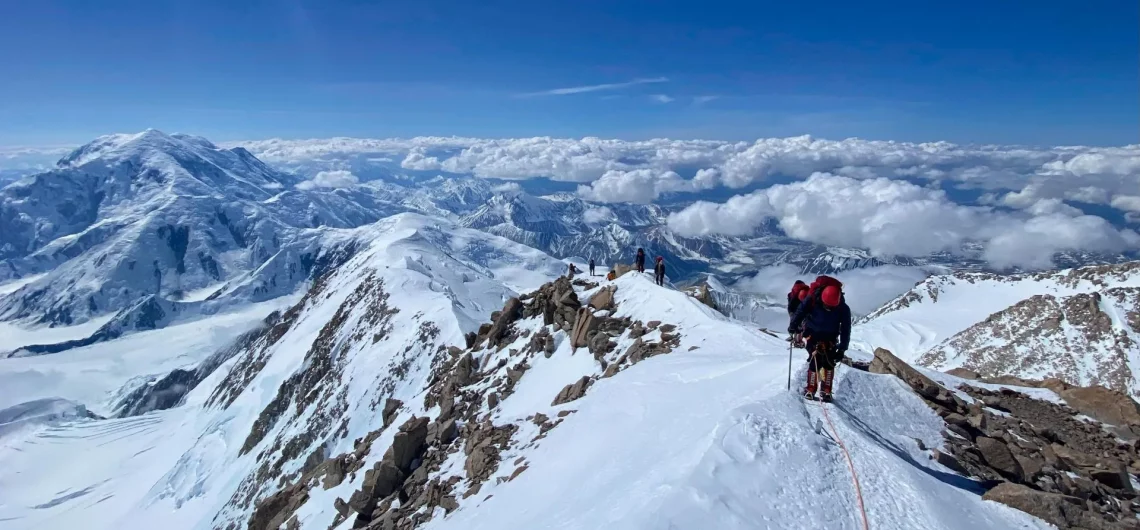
{"x": 851, "y": 466}
{"x": 846, "y": 454}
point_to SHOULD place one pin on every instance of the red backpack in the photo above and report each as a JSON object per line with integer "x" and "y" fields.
{"x": 821, "y": 282}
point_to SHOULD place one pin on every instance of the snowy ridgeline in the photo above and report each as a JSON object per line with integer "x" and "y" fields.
{"x": 301, "y": 416}
{"x": 1079, "y": 325}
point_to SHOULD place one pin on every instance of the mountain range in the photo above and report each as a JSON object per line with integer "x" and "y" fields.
{"x": 193, "y": 339}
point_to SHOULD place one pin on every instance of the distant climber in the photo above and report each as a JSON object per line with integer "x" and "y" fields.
{"x": 639, "y": 260}
{"x": 794, "y": 297}
{"x": 659, "y": 271}
{"x": 572, "y": 271}
{"x": 591, "y": 267}
{"x": 825, "y": 321}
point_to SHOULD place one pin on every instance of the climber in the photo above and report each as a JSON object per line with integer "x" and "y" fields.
{"x": 659, "y": 271}
{"x": 825, "y": 321}
{"x": 612, "y": 275}
{"x": 573, "y": 270}
{"x": 794, "y": 297}
{"x": 639, "y": 261}
{"x": 591, "y": 267}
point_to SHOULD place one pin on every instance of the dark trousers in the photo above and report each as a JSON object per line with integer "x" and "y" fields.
{"x": 591, "y": 270}
{"x": 659, "y": 278}
{"x": 823, "y": 352}
{"x": 641, "y": 267}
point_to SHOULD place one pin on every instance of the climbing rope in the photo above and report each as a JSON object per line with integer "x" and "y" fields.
{"x": 850, "y": 465}
{"x": 846, "y": 454}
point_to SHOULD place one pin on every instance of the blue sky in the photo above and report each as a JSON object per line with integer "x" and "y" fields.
{"x": 1001, "y": 72}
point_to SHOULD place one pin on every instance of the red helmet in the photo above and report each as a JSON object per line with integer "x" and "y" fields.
{"x": 803, "y": 294}
{"x": 659, "y": 258}
{"x": 830, "y": 296}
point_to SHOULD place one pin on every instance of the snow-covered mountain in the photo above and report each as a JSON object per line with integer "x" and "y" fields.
{"x": 408, "y": 389}
{"x": 131, "y": 216}
{"x": 1078, "y": 325}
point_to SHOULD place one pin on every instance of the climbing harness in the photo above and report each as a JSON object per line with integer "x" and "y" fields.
{"x": 847, "y": 455}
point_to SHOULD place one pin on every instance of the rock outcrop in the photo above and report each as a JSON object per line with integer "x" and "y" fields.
{"x": 1036, "y": 456}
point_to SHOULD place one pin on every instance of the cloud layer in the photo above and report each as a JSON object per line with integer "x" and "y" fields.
{"x": 895, "y": 217}
{"x": 330, "y": 179}
{"x": 880, "y": 195}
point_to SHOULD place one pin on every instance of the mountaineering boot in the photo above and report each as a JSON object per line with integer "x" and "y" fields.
{"x": 825, "y": 392}
{"x": 809, "y": 392}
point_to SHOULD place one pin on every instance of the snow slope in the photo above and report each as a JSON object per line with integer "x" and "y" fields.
{"x": 942, "y": 306}
{"x": 706, "y": 436}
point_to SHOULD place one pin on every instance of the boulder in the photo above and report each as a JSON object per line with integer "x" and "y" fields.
{"x": 621, "y": 268}
{"x": 379, "y": 482}
{"x": 442, "y": 433}
{"x": 885, "y": 362}
{"x": 601, "y": 345}
{"x": 584, "y": 323}
{"x": 1103, "y": 404}
{"x": 964, "y": 373}
{"x": 1060, "y": 510}
{"x": 464, "y": 368}
{"x": 511, "y": 312}
{"x": 573, "y": 391}
{"x": 390, "y": 408}
{"x": 998, "y": 456}
{"x": 408, "y": 444}
{"x": 603, "y": 300}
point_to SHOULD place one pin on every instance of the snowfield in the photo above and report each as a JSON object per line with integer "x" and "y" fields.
{"x": 705, "y": 437}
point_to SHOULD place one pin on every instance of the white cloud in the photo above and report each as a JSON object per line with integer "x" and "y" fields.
{"x": 1083, "y": 174}
{"x": 330, "y": 179}
{"x": 864, "y": 289}
{"x": 661, "y": 98}
{"x": 701, "y": 100}
{"x": 597, "y": 215}
{"x": 417, "y": 160}
{"x": 507, "y": 187}
{"x": 1128, "y": 203}
{"x": 640, "y": 186}
{"x": 892, "y": 217}
{"x": 595, "y": 88}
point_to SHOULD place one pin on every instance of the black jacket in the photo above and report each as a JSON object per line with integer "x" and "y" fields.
{"x": 818, "y": 320}
{"x": 793, "y": 303}
{"x": 659, "y": 268}
{"x": 640, "y": 258}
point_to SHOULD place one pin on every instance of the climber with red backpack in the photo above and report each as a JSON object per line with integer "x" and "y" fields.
{"x": 797, "y": 294}
{"x": 823, "y": 319}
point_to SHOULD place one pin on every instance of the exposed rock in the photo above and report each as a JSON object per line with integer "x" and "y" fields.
{"x": 271, "y": 512}
{"x": 572, "y": 391}
{"x": 667, "y": 328}
{"x": 998, "y": 456}
{"x": 379, "y": 482}
{"x": 964, "y": 373}
{"x": 1108, "y": 406}
{"x": 390, "y": 408}
{"x": 620, "y": 269}
{"x": 886, "y": 363}
{"x": 408, "y": 443}
{"x": 652, "y": 324}
{"x": 492, "y": 400}
{"x": 584, "y": 323}
{"x": 1061, "y": 510}
{"x": 496, "y": 334}
{"x": 603, "y": 299}
{"x": 600, "y": 345}
{"x": 948, "y": 461}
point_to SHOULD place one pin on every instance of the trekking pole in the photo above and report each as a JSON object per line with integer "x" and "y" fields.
{"x": 790, "y": 346}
